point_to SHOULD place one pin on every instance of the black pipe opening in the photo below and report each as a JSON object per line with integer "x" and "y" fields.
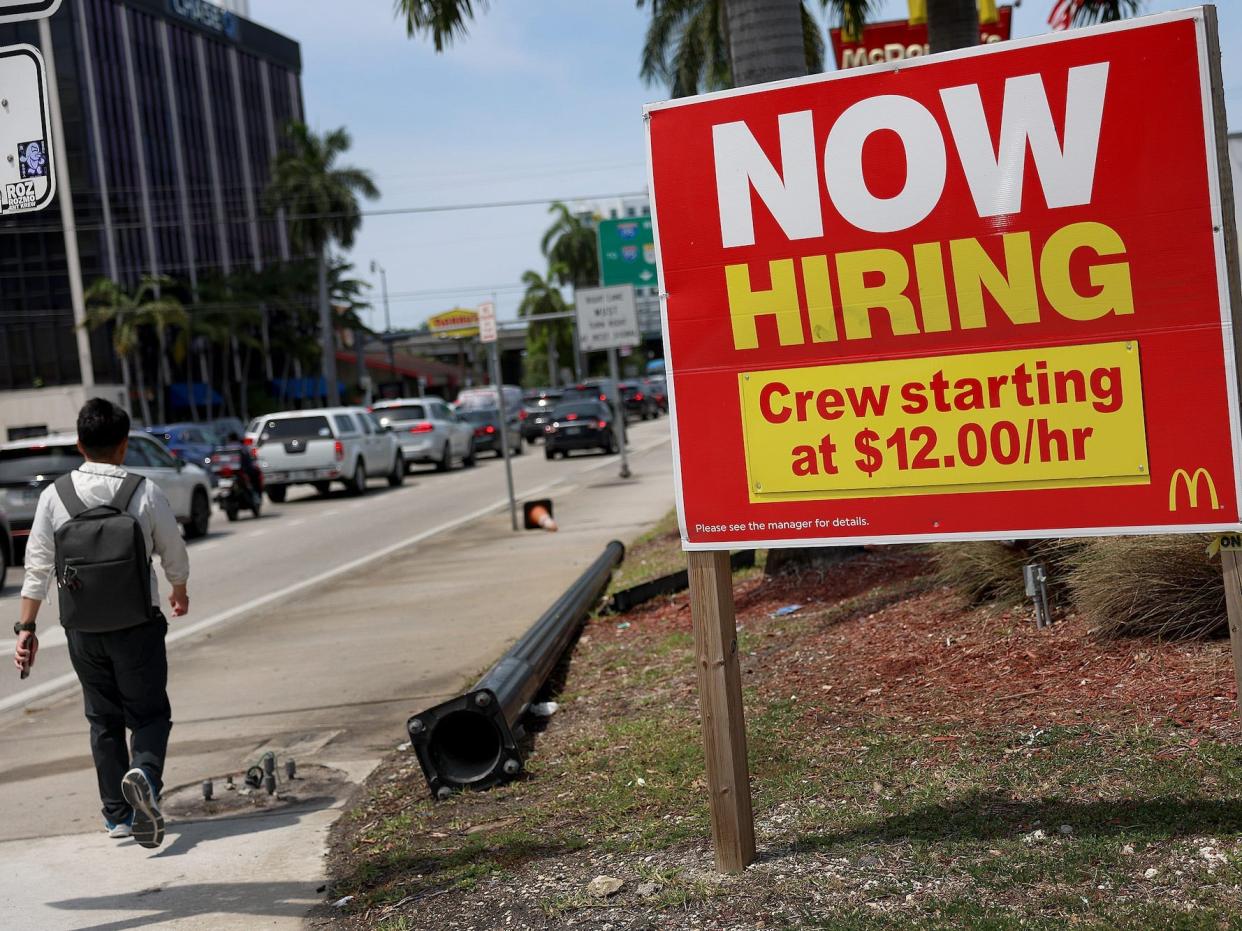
{"x": 466, "y": 747}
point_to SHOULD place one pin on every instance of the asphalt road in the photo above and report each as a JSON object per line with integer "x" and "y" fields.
{"x": 240, "y": 567}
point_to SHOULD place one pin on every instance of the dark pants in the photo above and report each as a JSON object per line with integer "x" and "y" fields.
{"x": 124, "y": 676}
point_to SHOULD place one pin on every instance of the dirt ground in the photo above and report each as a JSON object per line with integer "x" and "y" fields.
{"x": 916, "y": 762}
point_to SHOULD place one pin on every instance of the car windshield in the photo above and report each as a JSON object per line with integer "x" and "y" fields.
{"x": 28, "y": 463}
{"x": 295, "y": 428}
{"x": 575, "y": 411}
{"x": 481, "y": 415}
{"x": 401, "y": 412}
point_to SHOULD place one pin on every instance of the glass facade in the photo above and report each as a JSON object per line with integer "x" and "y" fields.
{"x": 170, "y": 125}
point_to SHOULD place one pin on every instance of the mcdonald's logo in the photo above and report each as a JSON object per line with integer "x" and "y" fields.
{"x": 1190, "y": 481}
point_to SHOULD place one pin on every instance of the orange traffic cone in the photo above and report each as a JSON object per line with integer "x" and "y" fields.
{"x": 538, "y": 515}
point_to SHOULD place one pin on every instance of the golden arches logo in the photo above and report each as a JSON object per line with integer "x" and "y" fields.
{"x": 1190, "y": 481}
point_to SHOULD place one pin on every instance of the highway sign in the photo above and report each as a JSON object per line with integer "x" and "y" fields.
{"x": 27, "y": 171}
{"x": 627, "y": 252}
{"x": 607, "y": 318}
{"x": 14, "y": 11}
{"x": 487, "y": 322}
{"x": 886, "y": 322}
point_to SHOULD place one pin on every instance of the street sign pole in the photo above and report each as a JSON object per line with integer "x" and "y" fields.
{"x": 489, "y": 336}
{"x": 618, "y": 410}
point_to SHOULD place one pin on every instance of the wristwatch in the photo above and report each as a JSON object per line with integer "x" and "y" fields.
{"x": 20, "y": 627}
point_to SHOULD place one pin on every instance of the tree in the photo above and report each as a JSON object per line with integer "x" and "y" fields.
{"x": 320, "y": 199}
{"x": 550, "y": 340}
{"x": 571, "y": 247}
{"x": 128, "y": 313}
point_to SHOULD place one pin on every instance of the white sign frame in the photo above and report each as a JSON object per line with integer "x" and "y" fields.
{"x": 25, "y": 132}
{"x": 17, "y": 11}
{"x": 607, "y": 318}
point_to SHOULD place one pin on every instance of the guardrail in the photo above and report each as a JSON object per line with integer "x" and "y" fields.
{"x": 472, "y": 741}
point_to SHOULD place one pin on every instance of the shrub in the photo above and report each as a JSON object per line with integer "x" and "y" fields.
{"x": 984, "y": 571}
{"x": 1164, "y": 587}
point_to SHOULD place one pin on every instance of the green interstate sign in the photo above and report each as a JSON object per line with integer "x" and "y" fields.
{"x": 627, "y": 252}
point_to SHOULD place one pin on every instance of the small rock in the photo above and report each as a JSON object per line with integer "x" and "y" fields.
{"x": 1128, "y": 849}
{"x": 1035, "y": 837}
{"x": 1151, "y": 873}
{"x": 404, "y": 746}
{"x": 866, "y": 863}
{"x": 647, "y": 890}
{"x": 341, "y": 903}
{"x": 602, "y": 887}
{"x": 1066, "y": 829}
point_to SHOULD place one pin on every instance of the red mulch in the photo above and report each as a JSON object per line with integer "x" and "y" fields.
{"x": 930, "y": 660}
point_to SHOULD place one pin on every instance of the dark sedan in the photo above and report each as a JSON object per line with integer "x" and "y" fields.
{"x": 486, "y": 422}
{"x": 580, "y": 425}
{"x": 537, "y": 407}
{"x": 638, "y": 402}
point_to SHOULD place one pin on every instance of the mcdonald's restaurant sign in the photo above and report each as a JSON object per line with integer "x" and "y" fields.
{"x": 900, "y": 39}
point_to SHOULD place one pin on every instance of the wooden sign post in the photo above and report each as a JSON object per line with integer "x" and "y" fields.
{"x": 720, "y": 702}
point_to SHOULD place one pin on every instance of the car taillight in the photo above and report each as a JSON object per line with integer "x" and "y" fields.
{"x": 603, "y": 425}
{"x": 571, "y": 416}
{"x": 422, "y": 426}
{"x": 521, "y": 415}
{"x": 340, "y": 451}
{"x": 489, "y": 429}
{"x": 603, "y": 397}
{"x": 247, "y": 441}
{"x": 550, "y": 428}
{"x": 226, "y": 471}
{"x": 638, "y": 396}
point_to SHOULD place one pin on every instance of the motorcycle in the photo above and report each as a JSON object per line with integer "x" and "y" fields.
{"x": 234, "y": 490}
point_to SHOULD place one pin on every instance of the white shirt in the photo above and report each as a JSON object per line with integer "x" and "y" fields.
{"x": 96, "y": 484}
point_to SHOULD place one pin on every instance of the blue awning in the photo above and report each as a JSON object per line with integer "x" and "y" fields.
{"x": 199, "y": 391}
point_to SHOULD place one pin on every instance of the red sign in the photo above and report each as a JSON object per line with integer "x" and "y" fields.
{"x": 980, "y": 294}
{"x": 899, "y": 39}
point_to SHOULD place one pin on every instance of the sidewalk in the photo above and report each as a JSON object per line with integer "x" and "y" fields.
{"x": 336, "y": 673}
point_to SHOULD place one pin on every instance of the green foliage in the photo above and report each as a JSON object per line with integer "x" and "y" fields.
{"x": 571, "y": 247}
{"x": 444, "y": 20}
{"x": 543, "y": 296}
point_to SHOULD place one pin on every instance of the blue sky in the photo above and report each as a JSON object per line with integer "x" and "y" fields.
{"x": 541, "y": 100}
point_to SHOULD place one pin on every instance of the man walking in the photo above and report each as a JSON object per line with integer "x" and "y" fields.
{"x": 97, "y": 528}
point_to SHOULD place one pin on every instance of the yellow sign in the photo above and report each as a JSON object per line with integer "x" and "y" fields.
{"x": 458, "y": 323}
{"x": 1190, "y": 483}
{"x": 1059, "y": 416}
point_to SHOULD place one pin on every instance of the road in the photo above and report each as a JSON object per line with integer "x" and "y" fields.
{"x": 319, "y": 627}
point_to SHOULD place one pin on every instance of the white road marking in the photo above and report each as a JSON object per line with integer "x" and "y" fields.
{"x": 70, "y": 680}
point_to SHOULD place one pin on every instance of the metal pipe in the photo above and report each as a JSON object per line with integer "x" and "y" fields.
{"x": 472, "y": 740}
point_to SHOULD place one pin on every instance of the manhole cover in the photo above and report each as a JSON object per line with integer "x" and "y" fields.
{"x": 311, "y": 782}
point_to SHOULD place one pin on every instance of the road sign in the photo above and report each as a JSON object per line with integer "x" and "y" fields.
{"x": 607, "y": 318}
{"x": 886, "y": 322}
{"x": 27, "y": 171}
{"x": 14, "y": 11}
{"x": 900, "y": 39}
{"x": 487, "y": 322}
{"x": 627, "y": 252}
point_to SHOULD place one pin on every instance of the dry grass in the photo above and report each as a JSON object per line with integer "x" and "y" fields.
{"x": 1163, "y": 587}
{"x": 985, "y": 571}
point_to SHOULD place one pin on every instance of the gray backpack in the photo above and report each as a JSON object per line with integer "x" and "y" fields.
{"x": 103, "y": 572}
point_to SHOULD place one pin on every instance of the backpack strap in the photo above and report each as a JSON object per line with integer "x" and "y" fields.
{"x": 125, "y": 494}
{"x": 69, "y": 495}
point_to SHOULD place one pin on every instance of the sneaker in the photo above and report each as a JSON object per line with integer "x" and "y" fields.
{"x": 148, "y": 823}
{"x": 120, "y": 829}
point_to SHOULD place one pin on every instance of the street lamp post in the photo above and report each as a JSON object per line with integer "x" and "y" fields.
{"x": 392, "y": 356}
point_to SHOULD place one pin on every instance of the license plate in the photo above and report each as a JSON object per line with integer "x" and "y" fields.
{"x": 573, "y": 429}
{"x": 19, "y": 497}
{"x": 301, "y": 475}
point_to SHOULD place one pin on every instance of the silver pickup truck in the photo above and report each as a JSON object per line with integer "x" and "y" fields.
{"x": 318, "y": 447}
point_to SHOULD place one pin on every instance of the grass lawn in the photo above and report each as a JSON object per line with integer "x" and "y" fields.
{"x": 916, "y": 763}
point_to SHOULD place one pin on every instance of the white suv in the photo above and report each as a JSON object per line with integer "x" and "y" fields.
{"x": 428, "y": 431}
{"x": 318, "y": 447}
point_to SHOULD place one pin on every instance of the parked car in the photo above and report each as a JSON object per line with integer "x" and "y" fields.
{"x": 485, "y": 397}
{"x": 486, "y": 424}
{"x": 29, "y": 466}
{"x": 6, "y": 548}
{"x": 657, "y": 387}
{"x": 595, "y": 389}
{"x": 580, "y": 425}
{"x": 319, "y": 447}
{"x": 638, "y": 402}
{"x": 428, "y": 431}
{"x": 189, "y": 441}
{"x": 537, "y": 407}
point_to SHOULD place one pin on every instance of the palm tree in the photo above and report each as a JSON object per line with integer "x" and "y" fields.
{"x": 551, "y": 339}
{"x": 953, "y": 24}
{"x": 571, "y": 247}
{"x": 129, "y": 313}
{"x": 321, "y": 200}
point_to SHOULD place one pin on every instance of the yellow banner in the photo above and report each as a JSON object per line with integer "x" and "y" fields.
{"x": 1054, "y": 417}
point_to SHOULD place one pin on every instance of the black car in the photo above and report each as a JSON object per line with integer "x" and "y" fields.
{"x": 537, "y": 407}
{"x": 486, "y": 421}
{"x": 580, "y": 425}
{"x": 638, "y": 401}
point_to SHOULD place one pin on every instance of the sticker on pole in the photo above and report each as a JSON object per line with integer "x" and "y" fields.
{"x": 607, "y": 318}
{"x": 975, "y": 295}
{"x": 27, "y": 174}
{"x": 16, "y": 11}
